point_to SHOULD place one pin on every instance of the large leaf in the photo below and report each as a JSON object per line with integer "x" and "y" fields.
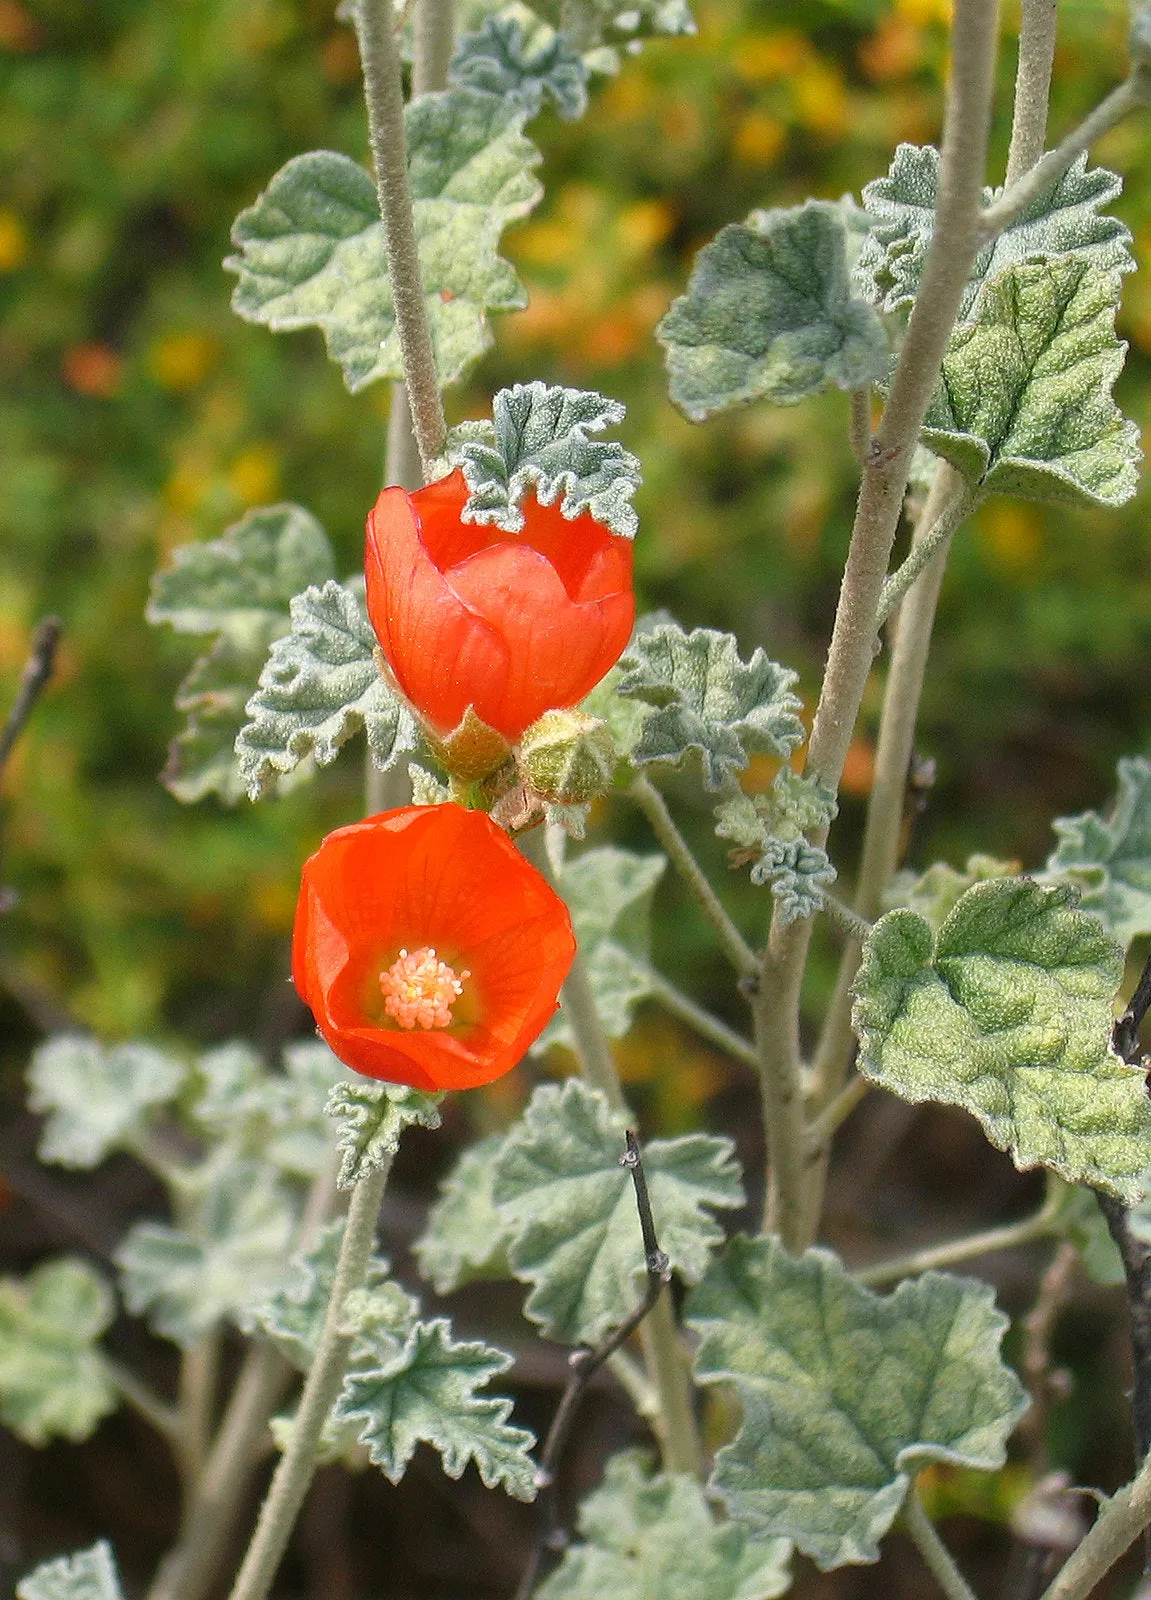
{"x": 311, "y": 249}
{"x": 320, "y": 686}
{"x": 1110, "y": 858}
{"x": 769, "y": 314}
{"x": 654, "y": 1537}
{"x": 370, "y": 1118}
{"x": 97, "y": 1099}
{"x": 53, "y": 1379}
{"x": 465, "y": 1237}
{"x": 1062, "y": 221}
{"x": 846, "y": 1394}
{"x": 1007, "y": 1011}
{"x": 277, "y": 1115}
{"x": 708, "y": 700}
{"x": 498, "y": 59}
{"x": 1024, "y": 404}
{"x": 88, "y": 1575}
{"x": 570, "y": 1207}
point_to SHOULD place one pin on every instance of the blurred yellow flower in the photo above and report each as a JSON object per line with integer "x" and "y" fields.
{"x": 254, "y": 476}
{"x": 1011, "y": 532}
{"x": 924, "y": 11}
{"x": 645, "y": 224}
{"x": 821, "y": 99}
{"x": 759, "y": 137}
{"x": 13, "y": 241}
{"x": 765, "y": 57}
{"x": 182, "y": 360}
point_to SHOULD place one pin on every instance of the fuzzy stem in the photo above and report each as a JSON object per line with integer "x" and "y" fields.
{"x": 933, "y": 1550}
{"x": 1038, "y": 1226}
{"x": 845, "y": 919}
{"x": 823, "y": 1129}
{"x": 708, "y": 1027}
{"x": 1037, "y": 29}
{"x": 144, "y": 1401}
{"x": 1119, "y": 1523}
{"x": 953, "y": 510}
{"x": 859, "y": 425}
{"x": 199, "y": 1374}
{"x": 592, "y": 1044}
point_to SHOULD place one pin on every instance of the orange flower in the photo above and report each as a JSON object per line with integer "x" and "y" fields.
{"x": 511, "y": 624}
{"x": 429, "y": 951}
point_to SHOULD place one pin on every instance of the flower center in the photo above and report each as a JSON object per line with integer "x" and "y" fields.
{"x": 419, "y": 989}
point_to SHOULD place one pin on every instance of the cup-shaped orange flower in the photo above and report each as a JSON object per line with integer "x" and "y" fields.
{"x": 511, "y": 624}
{"x": 429, "y": 951}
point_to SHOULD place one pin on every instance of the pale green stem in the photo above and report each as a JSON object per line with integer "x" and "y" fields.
{"x": 708, "y": 1027}
{"x": 648, "y": 798}
{"x": 199, "y": 1376}
{"x": 144, "y": 1401}
{"x": 822, "y": 1130}
{"x": 592, "y": 1044}
{"x": 1037, "y": 29}
{"x": 297, "y": 1466}
{"x": 633, "y": 1381}
{"x": 954, "y": 510}
{"x": 847, "y": 920}
{"x": 1039, "y": 1226}
{"x": 933, "y": 1550}
{"x": 859, "y": 426}
{"x": 1119, "y": 1523}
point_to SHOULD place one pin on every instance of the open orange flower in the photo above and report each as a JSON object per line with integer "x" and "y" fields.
{"x": 511, "y": 624}
{"x": 429, "y": 951}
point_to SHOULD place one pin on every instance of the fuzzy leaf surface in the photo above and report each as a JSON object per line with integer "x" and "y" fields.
{"x": 54, "y": 1382}
{"x": 293, "y": 1315}
{"x": 937, "y": 891}
{"x": 88, "y": 1575}
{"x": 596, "y": 26}
{"x": 1007, "y": 1011}
{"x": 846, "y": 1394}
{"x": 214, "y": 698}
{"x": 310, "y": 252}
{"x": 708, "y": 700}
{"x": 279, "y": 1115}
{"x": 1024, "y": 404}
{"x": 570, "y": 1208}
{"x": 465, "y": 1237}
{"x": 648, "y": 1534}
{"x": 498, "y": 59}
{"x": 97, "y": 1099}
{"x": 769, "y": 314}
{"x": 1110, "y": 858}
{"x": 370, "y": 1118}
{"x": 320, "y": 686}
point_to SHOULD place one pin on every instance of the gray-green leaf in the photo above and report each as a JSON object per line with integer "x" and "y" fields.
{"x": 936, "y": 892}
{"x": 53, "y": 1378}
{"x": 498, "y": 59}
{"x": 769, "y": 314}
{"x": 370, "y": 1118}
{"x": 88, "y": 1575}
{"x": 846, "y": 1394}
{"x": 293, "y": 1315}
{"x": 214, "y": 698}
{"x": 279, "y": 1115}
{"x": 1110, "y": 858}
{"x": 1007, "y": 1011}
{"x": 465, "y": 1237}
{"x": 97, "y": 1099}
{"x": 570, "y": 1207}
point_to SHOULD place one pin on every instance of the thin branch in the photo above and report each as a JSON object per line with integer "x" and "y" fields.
{"x": 1038, "y": 1226}
{"x": 846, "y": 920}
{"x": 199, "y": 1376}
{"x": 33, "y": 681}
{"x": 821, "y": 1131}
{"x": 1120, "y": 1522}
{"x": 1038, "y": 1375}
{"x": 709, "y": 1027}
{"x": 933, "y": 1550}
{"x": 1125, "y": 1033}
{"x": 144, "y": 1401}
{"x": 956, "y": 508}
{"x": 859, "y": 425}
{"x": 1037, "y": 29}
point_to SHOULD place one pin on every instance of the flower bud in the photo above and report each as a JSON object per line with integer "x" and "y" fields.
{"x": 472, "y": 750}
{"x": 568, "y": 756}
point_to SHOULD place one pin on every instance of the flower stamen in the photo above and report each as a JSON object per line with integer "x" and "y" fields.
{"x": 419, "y": 989}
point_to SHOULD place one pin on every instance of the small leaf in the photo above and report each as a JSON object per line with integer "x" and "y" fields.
{"x": 846, "y": 1394}
{"x": 426, "y": 1391}
{"x": 88, "y": 1575}
{"x": 321, "y": 685}
{"x": 54, "y": 1382}
{"x": 1024, "y": 405}
{"x": 227, "y": 1259}
{"x": 936, "y": 892}
{"x": 570, "y": 1207}
{"x": 1111, "y": 859}
{"x": 293, "y": 1315}
{"x": 1007, "y": 1011}
{"x": 769, "y": 314}
{"x": 1063, "y": 221}
{"x": 648, "y": 1535}
{"x": 498, "y": 59}
{"x": 798, "y": 873}
{"x": 370, "y": 1118}
{"x": 539, "y": 441}
{"x": 97, "y": 1099}
{"x": 596, "y": 25}
{"x": 277, "y": 1115}
{"x": 1080, "y": 1220}
{"x": 214, "y": 698}
{"x": 310, "y": 252}
{"x": 769, "y": 829}
{"x": 465, "y": 1238}
{"x": 708, "y": 700}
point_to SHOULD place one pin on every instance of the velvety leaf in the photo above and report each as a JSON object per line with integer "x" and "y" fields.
{"x": 538, "y": 441}
{"x": 596, "y": 25}
{"x": 321, "y": 685}
{"x": 97, "y": 1099}
{"x": 1110, "y": 858}
{"x": 768, "y": 831}
{"x": 708, "y": 700}
{"x": 54, "y": 1382}
{"x": 214, "y": 698}
{"x": 769, "y": 314}
{"x": 570, "y": 1207}
{"x": 427, "y": 1391}
{"x": 653, "y": 1536}
{"x": 293, "y": 1315}
{"x": 1007, "y": 1011}
{"x": 498, "y": 59}
{"x": 279, "y": 1115}
{"x": 1063, "y": 221}
{"x": 310, "y": 252}
{"x": 846, "y": 1394}
{"x": 465, "y": 1237}
{"x": 88, "y": 1575}
{"x": 1024, "y": 405}
{"x": 936, "y": 892}
{"x": 370, "y": 1118}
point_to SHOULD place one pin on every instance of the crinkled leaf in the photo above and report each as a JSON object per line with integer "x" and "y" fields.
{"x": 1079, "y": 1218}
{"x": 214, "y": 698}
{"x": 1007, "y": 1011}
{"x": 498, "y": 59}
{"x": 936, "y": 892}
{"x": 846, "y": 1394}
{"x": 596, "y": 25}
{"x": 1063, "y": 221}
{"x": 88, "y": 1575}
{"x": 798, "y": 873}
{"x": 370, "y": 1118}
{"x": 465, "y": 1237}
{"x": 570, "y": 1207}
{"x": 538, "y": 441}
{"x": 707, "y": 699}
{"x": 427, "y": 1391}
{"x": 653, "y": 1536}
{"x": 97, "y": 1099}
{"x": 768, "y": 831}
{"x": 293, "y": 1315}
{"x": 279, "y": 1115}
{"x": 321, "y": 685}
{"x": 1024, "y": 404}
{"x": 53, "y": 1379}
{"x": 769, "y": 314}
{"x": 227, "y": 1259}
{"x": 1110, "y": 858}
{"x": 310, "y": 252}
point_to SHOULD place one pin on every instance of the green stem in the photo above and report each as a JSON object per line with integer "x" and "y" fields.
{"x": 708, "y": 1027}
{"x": 1039, "y": 1226}
{"x": 933, "y": 1550}
{"x": 848, "y": 921}
{"x": 953, "y": 510}
{"x": 1119, "y": 1523}
{"x": 199, "y": 1376}
{"x": 144, "y": 1401}
{"x": 592, "y": 1044}
{"x": 1037, "y": 29}
{"x": 822, "y": 1130}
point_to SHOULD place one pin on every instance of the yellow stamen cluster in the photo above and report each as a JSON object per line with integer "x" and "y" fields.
{"x": 419, "y": 989}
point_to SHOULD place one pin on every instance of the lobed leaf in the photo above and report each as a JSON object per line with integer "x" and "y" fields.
{"x": 846, "y": 1394}
{"x": 465, "y": 1237}
{"x": 88, "y": 1575}
{"x": 499, "y": 60}
{"x": 769, "y": 314}
{"x": 214, "y": 698}
{"x": 277, "y": 1115}
{"x": 937, "y": 891}
{"x": 54, "y": 1382}
{"x": 97, "y": 1100}
{"x": 370, "y": 1118}
{"x": 293, "y": 1314}
{"x": 1007, "y": 1011}
{"x": 1110, "y": 858}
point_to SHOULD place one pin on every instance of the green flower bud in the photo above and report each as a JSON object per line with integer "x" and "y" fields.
{"x": 568, "y": 757}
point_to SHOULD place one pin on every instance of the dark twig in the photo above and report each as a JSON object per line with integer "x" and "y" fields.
{"x": 1125, "y": 1034}
{"x": 585, "y": 1363}
{"x": 37, "y": 671}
